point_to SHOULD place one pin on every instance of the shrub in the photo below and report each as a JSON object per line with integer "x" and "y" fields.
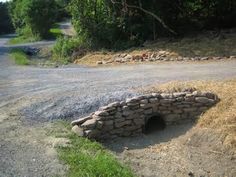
{"x": 20, "y": 57}
{"x": 65, "y": 46}
{"x": 35, "y": 15}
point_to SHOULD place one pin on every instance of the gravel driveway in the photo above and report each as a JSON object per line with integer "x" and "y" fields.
{"x": 31, "y": 96}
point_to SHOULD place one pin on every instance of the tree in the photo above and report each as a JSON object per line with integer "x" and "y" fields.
{"x": 112, "y": 23}
{"x": 5, "y": 21}
{"x": 35, "y": 15}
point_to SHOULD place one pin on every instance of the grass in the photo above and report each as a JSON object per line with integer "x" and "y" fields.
{"x": 21, "y": 40}
{"x": 221, "y": 117}
{"x": 55, "y": 31}
{"x": 20, "y": 57}
{"x": 87, "y": 158}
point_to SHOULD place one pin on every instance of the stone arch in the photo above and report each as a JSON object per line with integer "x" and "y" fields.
{"x": 153, "y": 123}
{"x": 127, "y": 118}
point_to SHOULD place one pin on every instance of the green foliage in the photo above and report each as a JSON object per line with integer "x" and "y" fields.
{"x": 37, "y": 16}
{"x": 87, "y": 158}
{"x": 25, "y": 35}
{"x": 55, "y": 31}
{"x": 64, "y": 48}
{"x": 62, "y": 12}
{"x": 21, "y": 40}
{"x": 20, "y": 57}
{"x": 127, "y": 22}
{"x": 95, "y": 19}
{"x": 5, "y": 21}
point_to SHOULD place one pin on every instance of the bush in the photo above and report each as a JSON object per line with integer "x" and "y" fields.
{"x": 65, "y": 46}
{"x": 20, "y": 57}
{"x": 37, "y": 16}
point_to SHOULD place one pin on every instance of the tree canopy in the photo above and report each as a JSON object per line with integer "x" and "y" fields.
{"x": 5, "y": 21}
{"x": 111, "y": 22}
{"x": 33, "y": 16}
{"x": 124, "y": 23}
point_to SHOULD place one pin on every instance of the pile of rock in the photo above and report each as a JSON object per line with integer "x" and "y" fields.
{"x": 157, "y": 56}
{"x": 127, "y": 118}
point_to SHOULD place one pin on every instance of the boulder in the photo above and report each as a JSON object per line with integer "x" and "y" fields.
{"x": 78, "y": 130}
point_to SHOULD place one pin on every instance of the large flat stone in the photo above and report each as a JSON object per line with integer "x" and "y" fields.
{"x": 80, "y": 121}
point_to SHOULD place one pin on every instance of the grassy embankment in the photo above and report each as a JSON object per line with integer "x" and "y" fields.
{"x": 221, "y": 117}
{"x": 86, "y": 158}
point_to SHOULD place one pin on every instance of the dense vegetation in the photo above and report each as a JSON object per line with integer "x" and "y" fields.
{"x": 121, "y": 23}
{"x": 5, "y": 21}
{"x": 33, "y": 17}
{"x": 116, "y": 24}
{"x": 19, "y": 57}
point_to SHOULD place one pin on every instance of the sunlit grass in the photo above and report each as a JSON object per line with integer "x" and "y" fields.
{"x": 20, "y": 57}
{"x": 87, "y": 158}
{"x": 21, "y": 40}
{"x": 55, "y": 31}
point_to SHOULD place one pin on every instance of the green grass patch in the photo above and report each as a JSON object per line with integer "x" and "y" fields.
{"x": 21, "y": 40}
{"x": 87, "y": 158}
{"x": 55, "y": 31}
{"x": 20, "y": 57}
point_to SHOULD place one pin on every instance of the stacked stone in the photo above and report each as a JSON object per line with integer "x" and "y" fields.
{"x": 157, "y": 56}
{"x": 127, "y": 118}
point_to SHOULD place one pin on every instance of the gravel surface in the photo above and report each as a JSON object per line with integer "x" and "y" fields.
{"x": 31, "y": 96}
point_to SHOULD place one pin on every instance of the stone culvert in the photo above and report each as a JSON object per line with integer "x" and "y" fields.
{"x": 130, "y": 117}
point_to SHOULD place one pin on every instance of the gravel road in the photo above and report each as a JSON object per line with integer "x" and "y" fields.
{"x": 31, "y": 96}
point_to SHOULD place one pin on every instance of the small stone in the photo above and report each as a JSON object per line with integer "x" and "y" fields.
{"x": 127, "y": 113}
{"x": 139, "y": 121}
{"x": 100, "y": 124}
{"x": 80, "y": 121}
{"x": 203, "y": 100}
{"x": 179, "y": 94}
{"x": 145, "y": 106}
{"x": 121, "y": 124}
{"x": 148, "y": 111}
{"x": 190, "y": 109}
{"x": 115, "y": 104}
{"x": 167, "y": 100}
{"x": 153, "y": 100}
{"x": 131, "y": 100}
{"x": 78, "y": 130}
{"x": 108, "y": 123}
{"x": 89, "y": 124}
{"x": 102, "y": 113}
{"x": 128, "y": 57}
{"x": 126, "y": 148}
{"x": 99, "y": 63}
{"x": 166, "y": 95}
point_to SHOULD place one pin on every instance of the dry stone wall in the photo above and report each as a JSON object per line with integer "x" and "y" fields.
{"x": 128, "y": 118}
{"x": 158, "y": 56}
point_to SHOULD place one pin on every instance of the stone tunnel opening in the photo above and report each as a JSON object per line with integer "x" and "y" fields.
{"x": 154, "y": 124}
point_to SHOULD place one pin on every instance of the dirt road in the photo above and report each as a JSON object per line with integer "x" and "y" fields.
{"x": 30, "y": 97}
